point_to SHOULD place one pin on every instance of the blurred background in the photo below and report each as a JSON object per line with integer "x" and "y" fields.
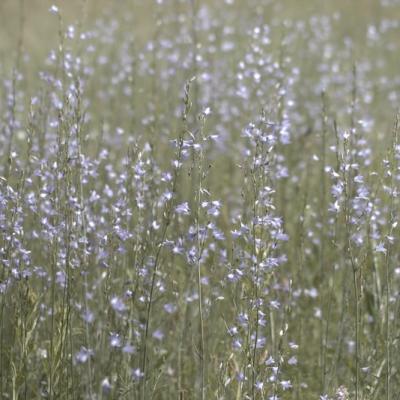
{"x": 31, "y": 21}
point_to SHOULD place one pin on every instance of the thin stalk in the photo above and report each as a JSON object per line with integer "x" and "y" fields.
{"x": 387, "y": 317}
{"x": 348, "y": 187}
{"x": 79, "y": 121}
{"x": 199, "y": 251}
{"x": 323, "y": 208}
{"x": 255, "y": 293}
{"x": 357, "y": 309}
{"x": 200, "y": 305}
{"x": 388, "y": 255}
{"x": 168, "y": 216}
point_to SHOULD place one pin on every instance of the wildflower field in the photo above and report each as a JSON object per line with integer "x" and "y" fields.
{"x": 199, "y": 199}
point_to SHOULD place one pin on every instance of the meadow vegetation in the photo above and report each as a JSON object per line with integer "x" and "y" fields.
{"x": 199, "y": 200}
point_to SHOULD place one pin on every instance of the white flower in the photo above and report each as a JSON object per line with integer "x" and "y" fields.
{"x": 54, "y": 9}
{"x": 380, "y": 248}
{"x": 106, "y": 385}
{"x": 183, "y": 209}
{"x": 117, "y": 304}
{"x": 286, "y": 385}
